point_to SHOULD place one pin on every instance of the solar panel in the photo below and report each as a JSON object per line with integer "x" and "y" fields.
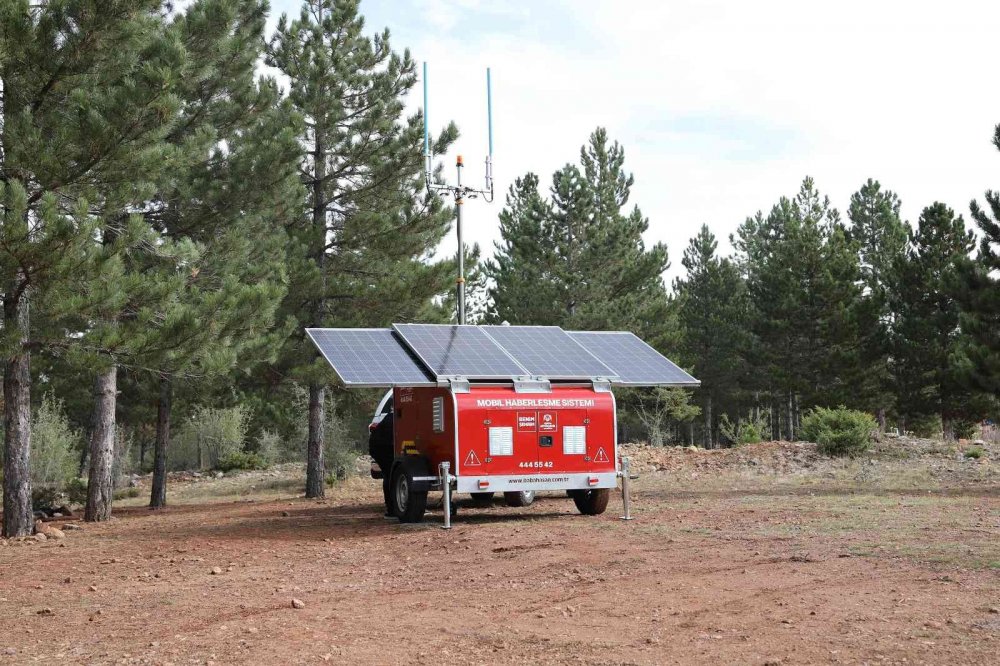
{"x": 369, "y": 357}
{"x": 635, "y": 362}
{"x": 465, "y": 351}
{"x": 547, "y": 351}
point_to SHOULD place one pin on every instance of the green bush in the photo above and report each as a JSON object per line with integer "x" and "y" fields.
{"x": 208, "y": 436}
{"x": 268, "y": 447}
{"x": 126, "y": 493}
{"x": 241, "y": 460}
{"x": 76, "y": 490}
{"x": 965, "y": 428}
{"x": 53, "y": 445}
{"x": 926, "y": 427}
{"x": 840, "y": 431}
{"x": 975, "y": 452}
{"x": 744, "y": 431}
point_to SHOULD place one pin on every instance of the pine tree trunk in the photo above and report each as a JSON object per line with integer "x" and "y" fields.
{"x": 775, "y": 419}
{"x": 947, "y": 428}
{"x": 100, "y": 482}
{"x": 798, "y": 413}
{"x": 315, "y": 467}
{"x": 881, "y": 420}
{"x": 17, "y": 516}
{"x": 709, "y": 444}
{"x": 158, "y": 496}
{"x": 791, "y": 418}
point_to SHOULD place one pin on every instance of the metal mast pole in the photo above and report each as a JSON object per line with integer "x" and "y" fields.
{"x": 459, "y": 200}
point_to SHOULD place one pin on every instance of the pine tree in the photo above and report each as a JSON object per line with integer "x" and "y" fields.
{"x": 521, "y": 268}
{"x": 881, "y": 237}
{"x": 927, "y": 334}
{"x": 365, "y": 228}
{"x": 801, "y": 271}
{"x": 977, "y": 290}
{"x": 579, "y": 260}
{"x": 712, "y": 309}
{"x": 230, "y": 194}
{"x": 69, "y": 178}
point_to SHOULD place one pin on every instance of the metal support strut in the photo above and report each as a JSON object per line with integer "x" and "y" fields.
{"x": 446, "y": 489}
{"x": 626, "y": 476}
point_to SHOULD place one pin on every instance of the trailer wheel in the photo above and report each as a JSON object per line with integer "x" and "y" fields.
{"x": 519, "y": 498}
{"x": 409, "y": 505}
{"x": 482, "y": 498}
{"x": 591, "y": 502}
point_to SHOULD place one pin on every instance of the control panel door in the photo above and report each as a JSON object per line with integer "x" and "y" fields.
{"x": 563, "y": 444}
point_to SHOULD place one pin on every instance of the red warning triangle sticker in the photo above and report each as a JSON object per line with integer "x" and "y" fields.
{"x": 601, "y": 456}
{"x": 471, "y": 460}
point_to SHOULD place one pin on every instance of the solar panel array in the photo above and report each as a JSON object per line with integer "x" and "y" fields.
{"x": 369, "y": 357}
{"x": 465, "y": 351}
{"x": 633, "y": 361}
{"x": 547, "y": 351}
{"x": 421, "y": 354}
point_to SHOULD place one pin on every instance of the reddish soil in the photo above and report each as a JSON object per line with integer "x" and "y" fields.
{"x": 757, "y": 576}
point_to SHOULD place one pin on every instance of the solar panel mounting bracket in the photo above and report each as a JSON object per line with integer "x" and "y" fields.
{"x": 601, "y": 385}
{"x": 456, "y": 384}
{"x": 532, "y": 385}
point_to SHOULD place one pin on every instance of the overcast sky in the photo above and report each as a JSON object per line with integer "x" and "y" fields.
{"x": 722, "y": 106}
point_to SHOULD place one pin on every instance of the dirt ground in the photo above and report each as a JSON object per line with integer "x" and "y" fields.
{"x": 772, "y": 557}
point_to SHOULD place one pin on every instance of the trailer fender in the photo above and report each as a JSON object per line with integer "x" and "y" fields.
{"x": 419, "y": 469}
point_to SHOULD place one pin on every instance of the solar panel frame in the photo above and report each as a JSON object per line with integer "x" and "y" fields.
{"x": 477, "y": 357}
{"x": 549, "y": 352}
{"x": 597, "y": 343}
{"x": 372, "y": 357}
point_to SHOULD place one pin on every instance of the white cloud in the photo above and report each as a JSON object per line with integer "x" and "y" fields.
{"x": 722, "y": 106}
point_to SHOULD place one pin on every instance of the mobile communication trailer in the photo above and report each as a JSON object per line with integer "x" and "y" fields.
{"x": 509, "y": 409}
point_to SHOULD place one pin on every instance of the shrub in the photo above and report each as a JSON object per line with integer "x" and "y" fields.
{"x": 207, "y": 436}
{"x": 840, "y": 431}
{"x": 76, "y": 490}
{"x": 926, "y": 427}
{"x": 965, "y": 428}
{"x": 126, "y": 493}
{"x": 744, "y": 431}
{"x": 53, "y": 445}
{"x": 268, "y": 447}
{"x": 975, "y": 452}
{"x": 241, "y": 460}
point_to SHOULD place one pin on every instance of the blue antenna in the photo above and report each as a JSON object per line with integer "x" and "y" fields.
{"x": 459, "y": 191}
{"x": 427, "y": 137}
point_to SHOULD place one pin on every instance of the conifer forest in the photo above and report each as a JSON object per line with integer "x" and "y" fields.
{"x": 184, "y": 191}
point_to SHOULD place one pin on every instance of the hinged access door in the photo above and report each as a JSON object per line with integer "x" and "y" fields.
{"x": 563, "y": 440}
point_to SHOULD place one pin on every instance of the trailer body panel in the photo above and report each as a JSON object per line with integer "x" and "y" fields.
{"x": 497, "y": 439}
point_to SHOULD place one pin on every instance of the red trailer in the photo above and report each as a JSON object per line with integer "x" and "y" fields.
{"x": 508, "y": 409}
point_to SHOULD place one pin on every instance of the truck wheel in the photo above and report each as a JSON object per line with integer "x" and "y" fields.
{"x": 409, "y": 505}
{"x": 591, "y": 502}
{"x": 520, "y": 498}
{"x": 482, "y": 498}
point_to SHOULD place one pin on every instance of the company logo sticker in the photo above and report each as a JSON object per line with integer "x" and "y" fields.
{"x": 548, "y": 421}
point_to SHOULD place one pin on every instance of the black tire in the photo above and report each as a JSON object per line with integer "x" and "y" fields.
{"x": 482, "y": 498}
{"x": 591, "y": 502}
{"x": 409, "y": 505}
{"x": 519, "y": 498}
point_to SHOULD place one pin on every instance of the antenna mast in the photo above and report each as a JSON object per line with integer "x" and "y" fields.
{"x": 459, "y": 191}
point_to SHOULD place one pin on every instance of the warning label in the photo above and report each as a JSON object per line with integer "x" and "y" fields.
{"x": 527, "y": 421}
{"x": 548, "y": 421}
{"x": 471, "y": 460}
{"x": 601, "y": 456}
